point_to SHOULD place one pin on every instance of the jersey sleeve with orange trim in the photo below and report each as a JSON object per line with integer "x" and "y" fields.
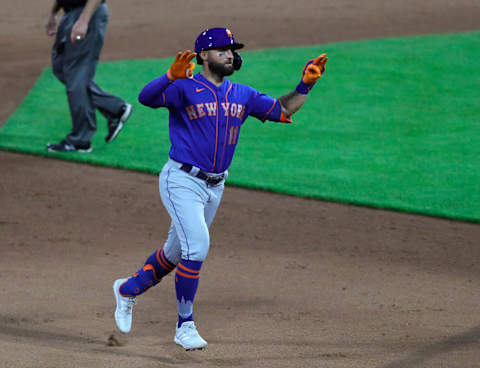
{"x": 160, "y": 92}
{"x": 263, "y": 107}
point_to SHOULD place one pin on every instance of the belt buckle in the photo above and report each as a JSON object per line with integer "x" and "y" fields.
{"x": 213, "y": 181}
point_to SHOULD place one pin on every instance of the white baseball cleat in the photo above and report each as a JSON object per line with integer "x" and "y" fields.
{"x": 123, "y": 313}
{"x": 187, "y": 336}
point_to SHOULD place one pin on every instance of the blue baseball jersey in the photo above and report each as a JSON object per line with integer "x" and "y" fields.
{"x": 205, "y": 119}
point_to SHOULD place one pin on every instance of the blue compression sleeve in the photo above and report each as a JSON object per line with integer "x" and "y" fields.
{"x": 152, "y": 94}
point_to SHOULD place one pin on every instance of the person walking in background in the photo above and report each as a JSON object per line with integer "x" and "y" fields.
{"x": 206, "y": 114}
{"x": 75, "y": 54}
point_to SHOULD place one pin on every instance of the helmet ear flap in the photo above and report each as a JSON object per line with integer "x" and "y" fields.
{"x": 237, "y": 61}
{"x": 199, "y": 60}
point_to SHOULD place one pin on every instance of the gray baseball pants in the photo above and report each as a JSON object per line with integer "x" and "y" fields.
{"x": 74, "y": 64}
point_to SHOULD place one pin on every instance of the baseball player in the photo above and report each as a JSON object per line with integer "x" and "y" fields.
{"x": 206, "y": 114}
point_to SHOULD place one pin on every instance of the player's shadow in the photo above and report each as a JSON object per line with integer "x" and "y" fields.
{"x": 469, "y": 337}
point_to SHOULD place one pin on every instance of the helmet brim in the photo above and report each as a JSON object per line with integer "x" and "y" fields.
{"x": 237, "y": 46}
{"x": 234, "y": 46}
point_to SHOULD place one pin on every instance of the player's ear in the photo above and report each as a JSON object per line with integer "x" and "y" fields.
{"x": 203, "y": 55}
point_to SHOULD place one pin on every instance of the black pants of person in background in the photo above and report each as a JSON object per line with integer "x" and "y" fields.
{"x": 74, "y": 64}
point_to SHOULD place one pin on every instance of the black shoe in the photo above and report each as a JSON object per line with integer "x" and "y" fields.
{"x": 116, "y": 125}
{"x": 64, "y": 146}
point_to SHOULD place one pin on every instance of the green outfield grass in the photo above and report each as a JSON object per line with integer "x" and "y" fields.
{"x": 394, "y": 123}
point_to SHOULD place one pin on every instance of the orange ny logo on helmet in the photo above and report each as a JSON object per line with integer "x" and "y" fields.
{"x": 229, "y": 33}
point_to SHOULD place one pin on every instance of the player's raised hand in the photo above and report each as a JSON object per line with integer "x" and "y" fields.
{"x": 183, "y": 66}
{"x": 314, "y": 69}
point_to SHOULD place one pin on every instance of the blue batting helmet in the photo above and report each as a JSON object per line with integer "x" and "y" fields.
{"x": 213, "y": 38}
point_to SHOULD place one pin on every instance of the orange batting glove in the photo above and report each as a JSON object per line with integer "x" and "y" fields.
{"x": 182, "y": 67}
{"x": 314, "y": 69}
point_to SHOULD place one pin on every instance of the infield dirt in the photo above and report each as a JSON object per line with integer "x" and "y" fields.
{"x": 289, "y": 282}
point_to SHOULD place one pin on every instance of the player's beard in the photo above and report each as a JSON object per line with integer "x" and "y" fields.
{"x": 220, "y": 69}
